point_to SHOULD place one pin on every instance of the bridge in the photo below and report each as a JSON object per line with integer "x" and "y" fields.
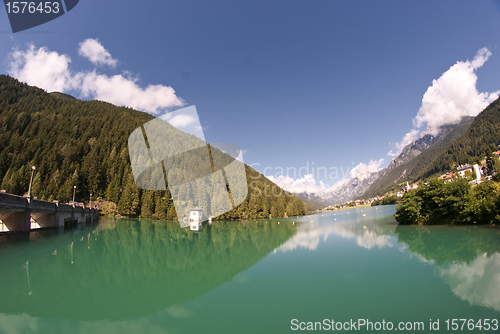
{"x": 23, "y": 214}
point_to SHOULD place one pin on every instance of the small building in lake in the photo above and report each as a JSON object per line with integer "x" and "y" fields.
{"x": 195, "y": 219}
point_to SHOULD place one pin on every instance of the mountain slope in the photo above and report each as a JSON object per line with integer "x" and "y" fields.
{"x": 312, "y": 202}
{"x": 481, "y": 136}
{"x": 84, "y": 144}
{"x": 416, "y": 156}
{"x": 350, "y": 189}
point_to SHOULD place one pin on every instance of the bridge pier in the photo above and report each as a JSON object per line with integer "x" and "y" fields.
{"x": 44, "y": 220}
{"x": 15, "y": 221}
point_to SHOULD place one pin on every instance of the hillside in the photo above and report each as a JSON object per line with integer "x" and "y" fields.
{"x": 84, "y": 144}
{"x": 416, "y": 157}
{"x": 470, "y": 147}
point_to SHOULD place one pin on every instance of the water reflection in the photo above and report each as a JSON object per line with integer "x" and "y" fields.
{"x": 352, "y": 224}
{"x": 126, "y": 268}
{"x": 466, "y": 258}
{"x": 478, "y": 282}
{"x": 155, "y": 276}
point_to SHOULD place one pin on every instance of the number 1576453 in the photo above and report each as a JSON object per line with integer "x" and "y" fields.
{"x": 22, "y": 7}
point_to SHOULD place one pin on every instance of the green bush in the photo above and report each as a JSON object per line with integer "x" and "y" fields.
{"x": 451, "y": 203}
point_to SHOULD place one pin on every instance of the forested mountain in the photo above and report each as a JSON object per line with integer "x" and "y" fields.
{"x": 416, "y": 157}
{"x": 468, "y": 142}
{"x": 482, "y": 136}
{"x": 84, "y": 144}
{"x": 412, "y": 160}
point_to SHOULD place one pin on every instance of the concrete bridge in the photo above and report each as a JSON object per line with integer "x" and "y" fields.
{"x": 22, "y": 214}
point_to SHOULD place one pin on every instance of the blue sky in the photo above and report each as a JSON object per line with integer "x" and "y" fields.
{"x": 334, "y": 83}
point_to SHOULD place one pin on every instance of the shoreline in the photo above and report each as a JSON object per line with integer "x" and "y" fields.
{"x": 353, "y": 207}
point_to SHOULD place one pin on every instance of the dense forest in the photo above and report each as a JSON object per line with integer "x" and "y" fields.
{"x": 84, "y": 144}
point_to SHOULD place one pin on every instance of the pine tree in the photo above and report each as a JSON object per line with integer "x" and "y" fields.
{"x": 130, "y": 199}
{"x": 147, "y": 204}
{"x": 36, "y": 186}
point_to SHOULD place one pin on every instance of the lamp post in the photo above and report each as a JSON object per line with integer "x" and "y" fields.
{"x": 31, "y": 179}
{"x": 90, "y": 203}
{"x": 74, "y": 189}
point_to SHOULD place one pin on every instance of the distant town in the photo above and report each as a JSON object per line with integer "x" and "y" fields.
{"x": 477, "y": 173}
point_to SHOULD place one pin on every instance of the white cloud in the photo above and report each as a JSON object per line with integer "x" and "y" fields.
{"x": 370, "y": 239}
{"x": 450, "y": 97}
{"x": 18, "y": 323}
{"x": 454, "y": 94}
{"x": 185, "y": 119}
{"x": 308, "y": 236}
{"x": 42, "y": 68}
{"x": 23, "y": 323}
{"x": 307, "y": 184}
{"x": 392, "y": 154}
{"x": 125, "y": 91}
{"x": 363, "y": 171}
{"x": 407, "y": 139}
{"x": 96, "y": 53}
{"x": 179, "y": 312}
{"x": 339, "y": 185}
{"x": 477, "y": 282}
{"x": 182, "y": 120}
{"x": 50, "y": 71}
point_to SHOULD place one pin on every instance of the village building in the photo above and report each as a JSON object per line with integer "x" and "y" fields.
{"x": 464, "y": 168}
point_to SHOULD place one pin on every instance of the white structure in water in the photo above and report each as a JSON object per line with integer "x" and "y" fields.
{"x": 195, "y": 219}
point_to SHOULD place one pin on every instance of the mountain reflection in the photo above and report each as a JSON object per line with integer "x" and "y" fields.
{"x": 353, "y": 226}
{"x": 127, "y": 268}
{"x": 467, "y": 258}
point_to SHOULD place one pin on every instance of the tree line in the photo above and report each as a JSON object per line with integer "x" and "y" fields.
{"x": 457, "y": 202}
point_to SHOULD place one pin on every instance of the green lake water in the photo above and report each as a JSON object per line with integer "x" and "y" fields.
{"x": 146, "y": 276}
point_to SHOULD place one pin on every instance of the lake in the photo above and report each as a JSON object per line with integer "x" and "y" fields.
{"x": 338, "y": 269}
